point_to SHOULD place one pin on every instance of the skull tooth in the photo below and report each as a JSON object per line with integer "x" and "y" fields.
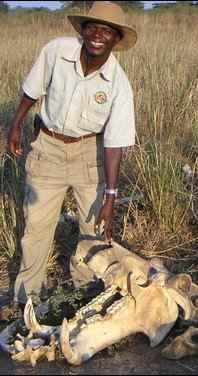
{"x": 96, "y": 303}
{"x": 93, "y": 319}
{"x": 116, "y": 306}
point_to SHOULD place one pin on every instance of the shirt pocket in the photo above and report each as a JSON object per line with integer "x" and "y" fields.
{"x": 93, "y": 121}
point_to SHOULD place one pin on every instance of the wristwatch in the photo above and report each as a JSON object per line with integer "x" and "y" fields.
{"x": 112, "y": 192}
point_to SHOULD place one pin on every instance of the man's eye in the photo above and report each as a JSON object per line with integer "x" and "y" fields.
{"x": 107, "y": 32}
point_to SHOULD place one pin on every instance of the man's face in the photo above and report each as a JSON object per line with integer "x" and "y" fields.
{"x": 99, "y": 39}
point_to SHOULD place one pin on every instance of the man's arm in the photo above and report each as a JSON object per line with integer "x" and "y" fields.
{"x": 112, "y": 159}
{"x": 15, "y": 133}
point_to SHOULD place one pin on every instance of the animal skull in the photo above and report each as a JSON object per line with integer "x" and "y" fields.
{"x": 121, "y": 268}
{"x": 140, "y": 296}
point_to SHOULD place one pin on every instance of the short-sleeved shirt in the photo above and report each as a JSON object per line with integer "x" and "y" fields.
{"x": 75, "y": 105}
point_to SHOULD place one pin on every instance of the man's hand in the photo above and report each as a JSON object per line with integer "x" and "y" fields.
{"x": 14, "y": 141}
{"x": 112, "y": 158}
{"x": 15, "y": 133}
{"x": 105, "y": 219}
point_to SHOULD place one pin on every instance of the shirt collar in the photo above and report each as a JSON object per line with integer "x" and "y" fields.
{"x": 107, "y": 70}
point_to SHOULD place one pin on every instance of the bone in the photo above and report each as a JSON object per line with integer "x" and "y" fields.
{"x": 183, "y": 301}
{"x": 23, "y": 355}
{"x": 19, "y": 346}
{"x": 51, "y": 353}
{"x": 182, "y": 290}
{"x": 66, "y": 348}
{"x": 182, "y": 345}
{"x": 44, "y": 331}
{"x": 180, "y": 282}
{"x": 140, "y": 296}
{"x": 30, "y": 318}
{"x": 38, "y": 354}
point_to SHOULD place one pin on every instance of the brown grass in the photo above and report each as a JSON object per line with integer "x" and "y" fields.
{"x": 162, "y": 68}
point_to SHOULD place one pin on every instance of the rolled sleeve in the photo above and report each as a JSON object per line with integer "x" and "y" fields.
{"x": 120, "y": 128}
{"x": 39, "y": 77}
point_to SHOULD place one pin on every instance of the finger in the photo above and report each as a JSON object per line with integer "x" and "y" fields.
{"x": 97, "y": 229}
{"x": 108, "y": 233}
{"x": 15, "y": 149}
{"x": 19, "y": 152}
{"x": 100, "y": 227}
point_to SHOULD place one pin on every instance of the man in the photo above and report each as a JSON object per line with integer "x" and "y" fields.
{"x": 86, "y": 118}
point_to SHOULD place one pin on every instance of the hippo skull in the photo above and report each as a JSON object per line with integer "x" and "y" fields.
{"x": 141, "y": 296}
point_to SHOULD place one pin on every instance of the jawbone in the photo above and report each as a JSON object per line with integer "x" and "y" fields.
{"x": 97, "y": 332}
{"x": 88, "y": 334}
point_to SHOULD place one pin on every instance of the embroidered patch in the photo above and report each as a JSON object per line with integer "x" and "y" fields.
{"x": 100, "y": 97}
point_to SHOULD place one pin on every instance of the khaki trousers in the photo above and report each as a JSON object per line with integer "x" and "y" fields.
{"x": 52, "y": 167}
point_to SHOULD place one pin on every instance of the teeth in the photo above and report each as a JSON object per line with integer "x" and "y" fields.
{"x": 97, "y": 44}
{"x": 96, "y": 303}
{"x": 116, "y": 306}
{"x": 93, "y": 319}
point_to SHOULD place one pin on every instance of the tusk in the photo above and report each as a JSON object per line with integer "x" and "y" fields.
{"x": 30, "y": 318}
{"x": 66, "y": 348}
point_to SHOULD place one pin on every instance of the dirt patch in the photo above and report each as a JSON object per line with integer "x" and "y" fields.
{"x": 134, "y": 358}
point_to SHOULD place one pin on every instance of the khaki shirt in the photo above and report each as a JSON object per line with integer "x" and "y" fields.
{"x": 75, "y": 105}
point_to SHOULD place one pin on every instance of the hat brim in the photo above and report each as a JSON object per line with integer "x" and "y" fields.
{"x": 129, "y": 34}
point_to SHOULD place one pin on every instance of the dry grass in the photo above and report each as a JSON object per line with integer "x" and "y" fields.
{"x": 162, "y": 68}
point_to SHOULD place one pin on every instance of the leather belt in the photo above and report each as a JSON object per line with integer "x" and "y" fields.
{"x": 62, "y": 137}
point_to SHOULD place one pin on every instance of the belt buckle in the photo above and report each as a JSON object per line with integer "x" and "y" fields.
{"x": 69, "y": 140}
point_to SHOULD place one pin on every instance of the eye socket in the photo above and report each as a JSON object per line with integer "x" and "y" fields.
{"x": 194, "y": 300}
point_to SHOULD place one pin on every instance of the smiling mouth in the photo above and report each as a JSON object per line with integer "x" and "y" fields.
{"x": 96, "y": 44}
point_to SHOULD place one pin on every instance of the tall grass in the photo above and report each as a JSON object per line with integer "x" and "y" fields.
{"x": 162, "y": 69}
{"x": 11, "y": 200}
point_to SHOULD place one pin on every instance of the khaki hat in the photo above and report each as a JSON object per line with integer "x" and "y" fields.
{"x": 111, "y": 14}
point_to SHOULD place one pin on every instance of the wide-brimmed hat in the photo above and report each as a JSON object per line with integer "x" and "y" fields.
{"x": 110, "y": 14}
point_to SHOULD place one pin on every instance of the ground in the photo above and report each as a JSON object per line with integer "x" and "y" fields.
{"x": 133, "y": 357}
